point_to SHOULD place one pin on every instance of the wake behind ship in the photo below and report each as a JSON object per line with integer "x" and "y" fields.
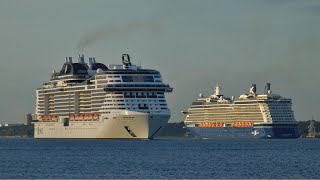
{"x": 92, "y": 100}
{"x": 251, "y": 115}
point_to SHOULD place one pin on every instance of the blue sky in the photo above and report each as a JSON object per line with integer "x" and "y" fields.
{"x": 194, "y": 43}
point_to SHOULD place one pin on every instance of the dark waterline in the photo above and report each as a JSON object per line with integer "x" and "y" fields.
{"x": 171, "y": 158}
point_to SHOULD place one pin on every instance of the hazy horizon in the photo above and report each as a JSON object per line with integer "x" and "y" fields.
{"x": 194, "y": 44}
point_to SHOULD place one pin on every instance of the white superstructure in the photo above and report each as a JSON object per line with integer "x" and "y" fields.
{"x": 245, "y": 111}
{"x": 92, "y": 100}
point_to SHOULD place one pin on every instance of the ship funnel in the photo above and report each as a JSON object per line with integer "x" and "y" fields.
{"x": 267, "y": 88}
{"x": 66, "y": 59}
{"x": 81, "y": 59}
{"x": 90, "y": 62}
{"x": 70, "y": 60}
{"x": 94, "y": 60}
{"x": 253, "y": 89}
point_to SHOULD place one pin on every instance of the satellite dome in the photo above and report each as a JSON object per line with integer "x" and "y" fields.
{"x": 99, "y": 70}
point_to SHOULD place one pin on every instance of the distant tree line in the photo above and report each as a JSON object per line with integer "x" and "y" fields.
{"x": 303, "y": 127}
{"x": 17, "y": 131}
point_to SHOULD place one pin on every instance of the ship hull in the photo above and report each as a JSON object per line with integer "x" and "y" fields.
{"x": 122, "y": 126}
{"x": 267, "y": 132}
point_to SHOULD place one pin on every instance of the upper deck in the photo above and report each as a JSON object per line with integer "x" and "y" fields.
{"x": 252, "y": 97}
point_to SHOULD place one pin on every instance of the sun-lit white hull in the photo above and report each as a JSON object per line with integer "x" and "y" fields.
{"x": 127, "y": 125}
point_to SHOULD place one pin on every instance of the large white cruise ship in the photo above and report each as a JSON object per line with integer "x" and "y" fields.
{"x": 250, "y": 115}
{"x": 92, "y": 100}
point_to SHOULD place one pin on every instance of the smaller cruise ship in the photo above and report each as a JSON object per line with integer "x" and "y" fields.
{"x": 250, "y": 115}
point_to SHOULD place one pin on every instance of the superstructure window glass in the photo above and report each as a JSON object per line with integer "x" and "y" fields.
{"x": 129, "y": 95}
{"x": 137, "y": 79}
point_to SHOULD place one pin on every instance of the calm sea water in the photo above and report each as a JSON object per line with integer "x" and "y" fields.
{"x": 174, "y": 158}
